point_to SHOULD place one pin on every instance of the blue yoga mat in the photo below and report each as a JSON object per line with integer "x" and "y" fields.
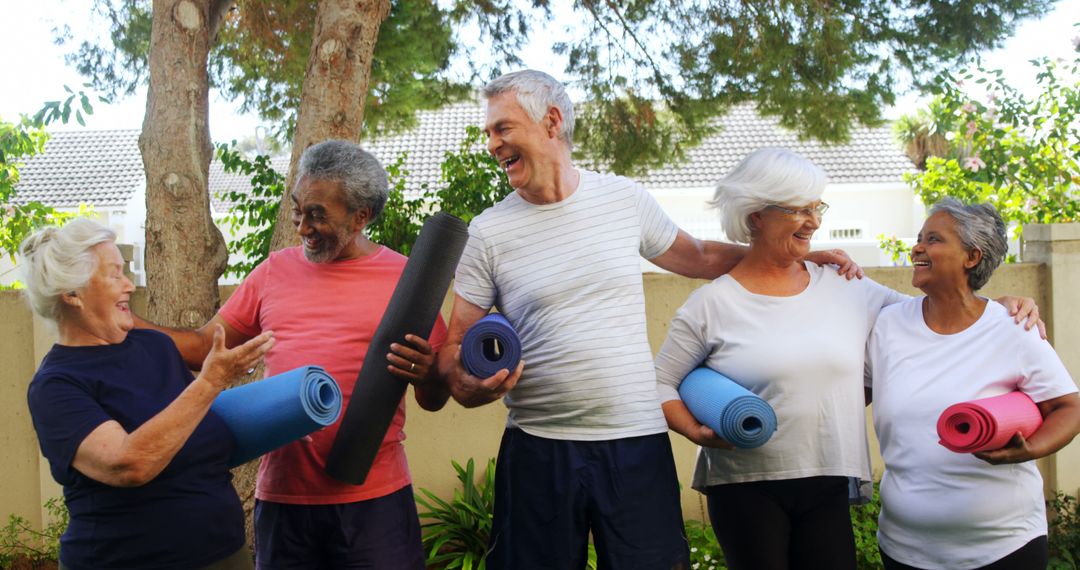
{"x": 733, "y": 412}
{"x": 267, "y": 414}
{"x": 490, "y": 345}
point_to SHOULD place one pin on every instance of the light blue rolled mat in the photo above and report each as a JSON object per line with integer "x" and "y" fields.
{"x": 267, "y": 414}
{"x": 733, "y": 412}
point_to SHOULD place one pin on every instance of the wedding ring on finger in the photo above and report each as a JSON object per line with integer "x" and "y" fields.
{"x": 412, "y": 366}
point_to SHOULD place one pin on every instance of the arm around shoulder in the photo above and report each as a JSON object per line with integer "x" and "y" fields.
{"x": 691, "y": 257}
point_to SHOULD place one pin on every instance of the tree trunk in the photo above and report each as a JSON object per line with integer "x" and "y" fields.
{"x": 335, "y": 86}
{"x": 185, "y": 252}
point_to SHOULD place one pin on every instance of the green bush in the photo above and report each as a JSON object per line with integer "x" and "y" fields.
{"x": 19, "y": 541}
{"x": 456, "y": 532}
{"x": 864, "y": 524}
{"x": 1064, "y": 536}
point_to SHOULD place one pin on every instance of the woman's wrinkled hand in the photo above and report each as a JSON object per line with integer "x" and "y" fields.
{"x": 222, "y": 365}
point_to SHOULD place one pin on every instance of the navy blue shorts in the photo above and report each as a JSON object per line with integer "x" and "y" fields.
{"x": 549, "y": 494}
{"x": 377, "y": 533}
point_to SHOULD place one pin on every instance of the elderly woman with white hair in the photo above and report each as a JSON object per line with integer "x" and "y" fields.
{"x": 794, "y": 334}
{"x": 941, "y": 509}
{"x": 126, "y": 429}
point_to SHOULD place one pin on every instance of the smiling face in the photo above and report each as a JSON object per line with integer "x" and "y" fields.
{"x": 524, "y": 148}
{"x": 99, "y": 313}
{"x": 939, "y": 257}
{"x": 327, "y": 229}
{"x": 784, "y": 235}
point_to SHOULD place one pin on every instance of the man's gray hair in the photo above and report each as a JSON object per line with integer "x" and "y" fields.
{"x": 57, "y": 260}
{"x": 361, "y": 176}
{"x": 767, "y": 176}
{"x": 537, "y": 92}
{"x": 980, "y": 227}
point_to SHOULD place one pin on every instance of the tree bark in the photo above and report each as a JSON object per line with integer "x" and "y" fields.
{"x": 185, "y": 252}
{"x": 335, "y": 86}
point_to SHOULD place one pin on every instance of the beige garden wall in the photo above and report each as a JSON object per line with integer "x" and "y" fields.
{"x": 434, "y": 439}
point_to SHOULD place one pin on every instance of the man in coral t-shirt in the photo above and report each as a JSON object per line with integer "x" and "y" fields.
{"x": 323, "y": 300}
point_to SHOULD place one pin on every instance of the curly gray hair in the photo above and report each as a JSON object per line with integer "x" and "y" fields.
{"x": 980, "y": 227}
{"x": 361, "y": 176}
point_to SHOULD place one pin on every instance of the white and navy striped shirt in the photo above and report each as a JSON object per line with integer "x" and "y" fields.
{"x": 568, "y": 277}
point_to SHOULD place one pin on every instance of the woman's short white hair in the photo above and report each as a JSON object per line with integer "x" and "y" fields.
{"x": 56, "y": 260}
{"x": 767, "y": 176}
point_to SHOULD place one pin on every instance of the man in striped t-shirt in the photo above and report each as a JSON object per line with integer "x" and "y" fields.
{"x": 585, "y": 447}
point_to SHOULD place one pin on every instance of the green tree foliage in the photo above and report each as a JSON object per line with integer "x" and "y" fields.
{"x": 251, "y": 214}
{"x": 654, "y": 74}
{"x": 1020, "y": 153}
{"x": 18, "y": 142}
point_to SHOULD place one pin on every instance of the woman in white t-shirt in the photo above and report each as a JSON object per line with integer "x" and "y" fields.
{"x": 795, "y": 334}
{"x": 942, "y": 509}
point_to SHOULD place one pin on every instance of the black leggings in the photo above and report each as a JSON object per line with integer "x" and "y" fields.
{"x": 1032, "y": 556}
{"x": 777, "y": 525}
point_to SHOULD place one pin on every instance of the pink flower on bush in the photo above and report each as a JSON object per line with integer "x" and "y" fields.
{"x": 974, "y": 163}
{"x": 968, "y": 107}
{"x": 971, "y": 128}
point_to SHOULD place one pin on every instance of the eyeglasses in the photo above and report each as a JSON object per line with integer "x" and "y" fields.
{"x": 820, "y": 210}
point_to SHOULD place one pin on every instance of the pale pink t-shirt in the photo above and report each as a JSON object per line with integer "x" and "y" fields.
{"x": 323, "y": 314}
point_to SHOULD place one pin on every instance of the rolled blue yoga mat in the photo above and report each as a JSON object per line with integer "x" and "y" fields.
{"x": 733, "y": 412}
{"x": 267, "y": 414}
{"x": 490, "y": 345}
{"x": 412, "y": 309}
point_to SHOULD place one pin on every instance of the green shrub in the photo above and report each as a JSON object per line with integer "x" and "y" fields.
{"x": 19, "y": 541}
{"x": 705, "y": 553}
{"x": 456, "y": 532}
{"x": 864, "y": 524}
{"x": 1064, "y": 536}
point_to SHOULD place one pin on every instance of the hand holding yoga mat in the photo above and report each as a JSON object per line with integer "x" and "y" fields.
{"x": 412, "y": 310}
{"x": 490, "y": 345}
{"x": 733, "y": 412}
{"x": 267, "y": 414}
{"x": 988, "y": 423}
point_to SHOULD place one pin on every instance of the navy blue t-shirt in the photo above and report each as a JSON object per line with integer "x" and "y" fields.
{"x": 189, "y": 515}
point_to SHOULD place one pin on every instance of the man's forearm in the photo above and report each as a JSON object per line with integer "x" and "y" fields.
{"x": 191, "y": 343}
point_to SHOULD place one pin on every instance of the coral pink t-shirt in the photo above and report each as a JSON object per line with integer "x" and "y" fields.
{"x": 323, "y": 314}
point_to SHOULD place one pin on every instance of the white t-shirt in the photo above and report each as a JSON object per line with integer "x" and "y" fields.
{"x": 803, "y": 354}
{"x": 567, "y": 276}
{"x": 942, "y": 509}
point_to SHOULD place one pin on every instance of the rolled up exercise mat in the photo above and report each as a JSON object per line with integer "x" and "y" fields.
{"x": 267, "y": 414}
{"x": 987, "y": 423}
{"x": 733, "y": 412}
{"x": 490, "y": 345}
{"x": 412, "y": 310}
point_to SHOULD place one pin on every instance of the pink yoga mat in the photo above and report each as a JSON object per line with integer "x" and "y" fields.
{"x": 987, "y": 423}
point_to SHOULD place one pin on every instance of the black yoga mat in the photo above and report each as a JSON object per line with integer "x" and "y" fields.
{"x": 412, "y": 310}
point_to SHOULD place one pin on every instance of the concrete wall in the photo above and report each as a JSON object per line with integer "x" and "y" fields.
{"x": 434, "y": 439}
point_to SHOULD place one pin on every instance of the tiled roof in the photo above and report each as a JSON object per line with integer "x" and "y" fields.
{"x": 104, "y": 167}
{"x": 870, "y": 156}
